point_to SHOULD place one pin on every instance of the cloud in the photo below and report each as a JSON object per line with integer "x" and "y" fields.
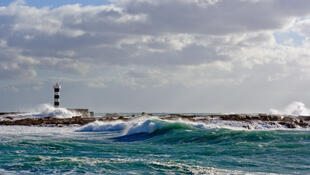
{"x": 144, "y": 44}
{"x": 302, "y": 26}
{"x": 216, "y": 17}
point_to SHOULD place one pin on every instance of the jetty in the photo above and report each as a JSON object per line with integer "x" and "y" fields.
{"x": 287, "y": 121}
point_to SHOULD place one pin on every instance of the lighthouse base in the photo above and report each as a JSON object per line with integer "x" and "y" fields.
{"x": 84, "y": 113}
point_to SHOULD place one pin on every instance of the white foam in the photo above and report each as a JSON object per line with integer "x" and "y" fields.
{"x": 138, "y": 125}
{"x": 295, "y": 108}
{"x": 168, "y": 167}
{"x": 151, "y": 124}
{"x": 21, "y": 130}
{"x": 142, "y": 125}
{"x": 99, "y": 126}
{"x": 47, "y": 110}
{"x": 10, "y": 134}
{"x": 135, "y": 126}
{"x": 194, "y": 169}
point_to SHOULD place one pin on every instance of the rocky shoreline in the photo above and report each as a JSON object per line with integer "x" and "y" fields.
{"x": 287, "y": 121}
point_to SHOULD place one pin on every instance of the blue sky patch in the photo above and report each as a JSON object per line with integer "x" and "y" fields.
{"x": 289, "y": 37}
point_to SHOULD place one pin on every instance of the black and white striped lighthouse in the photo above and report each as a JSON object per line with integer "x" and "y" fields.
{"x": 56, "y": 95}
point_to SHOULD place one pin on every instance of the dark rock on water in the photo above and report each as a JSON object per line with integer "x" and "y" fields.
{"x": 287, "y": 121}
{"x": 48, "y": 121}
{"x": 303, "y": 124}
{"x": 8, "y": 117}
{"x": 288, "y": 124}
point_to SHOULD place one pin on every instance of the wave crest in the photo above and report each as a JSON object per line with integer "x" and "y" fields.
{"x": 139, "y": 125}
{"x": 99, "y": 126}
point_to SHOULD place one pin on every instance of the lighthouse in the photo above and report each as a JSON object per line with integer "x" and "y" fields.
{"x": 56, "y": 95}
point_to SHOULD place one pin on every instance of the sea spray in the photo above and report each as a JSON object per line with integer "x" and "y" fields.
{"x": 47, "y": 110}
{"x": 138, "y": 125}
{"x": 152, "y": 124}
{"x": 142, "y": 125}
{"x": 100, "y": 126}
{"x": 295, "y": 108}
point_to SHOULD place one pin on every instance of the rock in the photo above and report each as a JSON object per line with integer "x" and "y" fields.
{"x": 303, "y": 124}
{"x": 288, "y": 124}
{"x": 49, "y": 121}
{"x": 288, "y": 121}
{"x": 9, "y": 117}
{"x": 305, "y": 118}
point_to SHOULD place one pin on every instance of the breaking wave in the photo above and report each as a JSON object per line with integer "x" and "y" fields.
{"x": 179, "y": 131}
{"x": 296, "y": 108}
{"x": 143, "y": 128}
{"x": 47, "y": 110}
{"x": 139, "y": 125}
{"x": 99, "y": 126}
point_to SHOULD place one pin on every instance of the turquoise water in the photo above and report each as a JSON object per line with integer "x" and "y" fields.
{"x": 152, "y": 147}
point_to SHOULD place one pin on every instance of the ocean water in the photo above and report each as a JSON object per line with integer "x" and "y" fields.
{"x": 153, "y": 146}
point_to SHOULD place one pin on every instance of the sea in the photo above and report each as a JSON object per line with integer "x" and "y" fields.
{"x": 150, "y": 145}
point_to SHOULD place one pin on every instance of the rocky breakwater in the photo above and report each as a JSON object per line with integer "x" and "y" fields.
{"x": 48, "y": 121}
{"x": 285, "y": 121}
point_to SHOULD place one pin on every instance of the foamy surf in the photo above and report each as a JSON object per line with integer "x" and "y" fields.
{"x": 47, "y": 110}
{"x": 138, "y": 125}
{"x": 152, "y": 146}
{"x": 100, "y": 126}
{"x": 169, "y": 167}
{"x": 152, "y": 124}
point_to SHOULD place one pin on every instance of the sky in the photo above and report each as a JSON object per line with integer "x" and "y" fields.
{"x": 155, "y": 56}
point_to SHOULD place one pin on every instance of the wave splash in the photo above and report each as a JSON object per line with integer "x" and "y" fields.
{"x": 141, "y": 128}
{"x": 99, "y": 126}
{"x": 47, "y": 110}
{"x": 295, "y": 108}
{"x": 155, "y": 124}
{"x": 178, "y": 131}
{"x": 140, "y": 125}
